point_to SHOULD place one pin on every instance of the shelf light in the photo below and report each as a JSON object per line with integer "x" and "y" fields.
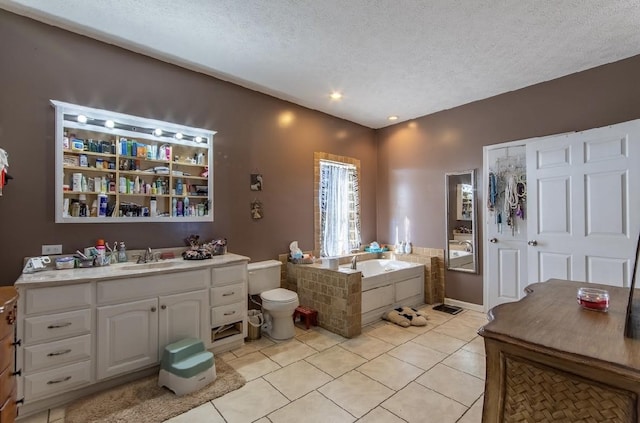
{"x": 157, "y": 132}
{"x": 82, "y": 119}
{"x": 110, "y": 124}
{"x": 198, "y": 139}
{"x": 178, "y": 135}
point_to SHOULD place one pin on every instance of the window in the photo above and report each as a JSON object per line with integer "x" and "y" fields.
{"x": 338, "y": 205}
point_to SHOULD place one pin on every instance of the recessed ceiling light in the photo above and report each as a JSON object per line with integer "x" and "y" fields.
{"x": 110, "y": 124}
{"x": 82, "y": 119}
{"x": 335, "y": 95}
{"x": 394, "y": 117}
{"x": 178, "y": 135}
{"x": 157, "y": 132}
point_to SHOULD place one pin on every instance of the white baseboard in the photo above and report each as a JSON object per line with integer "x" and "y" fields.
{"x": 467, "y": 306}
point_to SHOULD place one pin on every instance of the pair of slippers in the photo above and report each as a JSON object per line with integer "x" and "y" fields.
{"x": 405, "y": 317}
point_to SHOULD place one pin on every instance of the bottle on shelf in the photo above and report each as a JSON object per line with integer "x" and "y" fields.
{"x": 153, "y": 207}
{"x": 179, "y": 186}
{"x": 83, "y": 205}
{"x": 102, "y": 205}
{"x": 174, "y": 207}
{"x": 186, "y": 206}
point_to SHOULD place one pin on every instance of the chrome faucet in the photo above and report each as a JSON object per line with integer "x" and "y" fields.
{"x": 147, "y": 257}
{"x": 354, "y": 262}
{"x": 468, "y": 246}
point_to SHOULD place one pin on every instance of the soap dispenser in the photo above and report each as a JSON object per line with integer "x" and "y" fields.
{"x": 122, "y": 253}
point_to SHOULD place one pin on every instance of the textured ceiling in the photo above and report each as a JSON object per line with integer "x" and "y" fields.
{"x": 388, "y": 57}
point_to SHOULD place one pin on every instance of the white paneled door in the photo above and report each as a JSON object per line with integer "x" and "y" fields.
{"x": 584, "y": 205}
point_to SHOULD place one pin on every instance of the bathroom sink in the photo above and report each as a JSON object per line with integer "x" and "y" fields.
{"x": 146, "y": 266}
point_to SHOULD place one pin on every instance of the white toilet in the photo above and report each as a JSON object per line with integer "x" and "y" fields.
{"x": 277, "y": 303}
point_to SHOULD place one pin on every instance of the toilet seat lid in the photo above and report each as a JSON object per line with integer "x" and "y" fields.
{"x": 279, "y": 295}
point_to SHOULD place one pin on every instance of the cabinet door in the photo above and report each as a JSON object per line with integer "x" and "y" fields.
{"x": 507, "y": 266}
{"x": 183, "y": 316}
{"x": 127, "y": 337}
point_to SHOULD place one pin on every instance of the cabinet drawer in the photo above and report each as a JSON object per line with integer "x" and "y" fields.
{"x": 228, "y": 274}
{"x": 222, "y": 295}
{"x": 57, "y": 381}
{"x": 150, "y": 286}
{"x": 377, "y": 297}
{"x": 227, "y": 314}
{"x": 55, "y": 326}
{"x": 58, "y": 298}
{"x": 52, "y": 354}
{"x": 408, "y": 288}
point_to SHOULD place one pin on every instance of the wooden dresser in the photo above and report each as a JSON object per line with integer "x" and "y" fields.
{"x": 8, "y": 409}
{"x": 549, "y": 360}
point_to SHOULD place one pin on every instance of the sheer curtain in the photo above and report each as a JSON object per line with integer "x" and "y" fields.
{"x": 339, "y": 209}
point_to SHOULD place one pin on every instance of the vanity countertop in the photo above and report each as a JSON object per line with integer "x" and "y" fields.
{"x": 122, "y": 270}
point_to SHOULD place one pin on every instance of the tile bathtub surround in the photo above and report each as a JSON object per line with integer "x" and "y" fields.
{"x": 335, "y": 295}
{"x": 374, "y": 377}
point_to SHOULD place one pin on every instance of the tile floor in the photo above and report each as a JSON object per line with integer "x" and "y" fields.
{"x": 388, "y": 374}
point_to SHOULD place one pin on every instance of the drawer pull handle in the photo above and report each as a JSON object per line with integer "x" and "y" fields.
{"x": 53, "y": 354}
{"x": 163, "y": 306}
{"x": 229, "y": 313}
{"x": 63, "y": 379}
{"x": 228, "y": 294}
{"x": 153, "y": 309}
{"x": 59, "y": 325}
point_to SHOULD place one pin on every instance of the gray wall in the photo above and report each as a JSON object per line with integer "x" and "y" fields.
{"x": 40, "y": 62}
{"x": 414, "y": 156}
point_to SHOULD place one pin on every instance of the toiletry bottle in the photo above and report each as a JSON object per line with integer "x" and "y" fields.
{"x": 153, "y": 207}
{"x": 94, "y": 209}
{"x": 102, "y": 251}
{"x": 83, "y": 205}
{"x": 179, "y": 187}
{"x": 179, "y": 208}
{"x": 122, "y": 253}
{"x": 75, "y": 208}
{"x": 174, "y": 207}
{"x": 102, "y": 205}
{"x": 186, "y": 206}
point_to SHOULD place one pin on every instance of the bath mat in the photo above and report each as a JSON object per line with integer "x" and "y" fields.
{"x": 448, "y": 308}
{"x": 143, "y": 401}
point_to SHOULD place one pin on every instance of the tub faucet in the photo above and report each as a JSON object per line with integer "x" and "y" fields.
{"x": 354, "y": 261}
{"x": 468, "y": 245}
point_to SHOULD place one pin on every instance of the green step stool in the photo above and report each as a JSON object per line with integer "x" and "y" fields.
{"x": 186, "y": 366}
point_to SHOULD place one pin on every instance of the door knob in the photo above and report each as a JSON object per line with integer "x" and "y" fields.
{"x": 533, "y": 242}
{"x": 164, "y": 307}
{"x": 153, "y": 309}
{"x": 493, "y": 240}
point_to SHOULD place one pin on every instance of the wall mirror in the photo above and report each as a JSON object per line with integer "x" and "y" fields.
{"x": 462, "y": 240}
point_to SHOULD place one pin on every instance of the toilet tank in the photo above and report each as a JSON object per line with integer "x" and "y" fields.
{"x": 263, "y": 276}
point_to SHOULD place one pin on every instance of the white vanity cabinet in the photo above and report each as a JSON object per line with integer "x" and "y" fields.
{"x": 132, "y": 335}
{"x": 228, "y": 297}
{"x": 86, "y": 333}
{"x": 56, "y": 334}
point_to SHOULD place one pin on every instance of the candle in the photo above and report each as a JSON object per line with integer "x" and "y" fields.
{"x": 406, "y": 229}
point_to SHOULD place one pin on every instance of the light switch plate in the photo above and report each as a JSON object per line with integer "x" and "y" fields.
{"x": 51, "y": 249}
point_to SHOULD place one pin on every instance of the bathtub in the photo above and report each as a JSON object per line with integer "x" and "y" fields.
{"x": 388, "y": 284}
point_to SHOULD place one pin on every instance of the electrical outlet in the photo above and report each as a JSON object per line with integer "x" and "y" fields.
{"x": 51, "y": 249}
